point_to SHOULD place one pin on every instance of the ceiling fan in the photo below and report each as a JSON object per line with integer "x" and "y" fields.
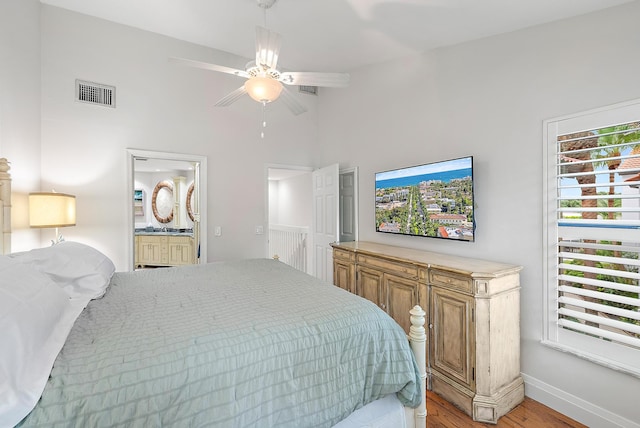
{"x": 264, "y": 81}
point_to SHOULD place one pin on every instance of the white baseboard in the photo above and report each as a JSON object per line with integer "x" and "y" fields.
{"x": 574, "y": 407}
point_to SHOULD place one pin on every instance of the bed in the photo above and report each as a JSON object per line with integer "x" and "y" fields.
{"x": 243, "y": 343}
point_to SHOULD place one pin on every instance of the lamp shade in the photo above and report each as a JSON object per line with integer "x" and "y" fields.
{"x": 52, "y": 210}
{"x": 263, "y": 89}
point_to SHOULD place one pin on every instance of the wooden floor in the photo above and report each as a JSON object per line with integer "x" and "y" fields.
{"x": 442, "y": 414}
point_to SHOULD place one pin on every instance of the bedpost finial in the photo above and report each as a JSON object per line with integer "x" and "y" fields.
{"x": 4, "y": 166}
{"x": 417, "y": 316}
{"x": 418, "y": 339}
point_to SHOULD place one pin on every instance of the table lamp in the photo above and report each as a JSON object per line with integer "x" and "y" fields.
{"x": 51, "y": 209}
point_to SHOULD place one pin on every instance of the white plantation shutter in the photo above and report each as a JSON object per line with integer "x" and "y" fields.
{"x": 592, "y": 242}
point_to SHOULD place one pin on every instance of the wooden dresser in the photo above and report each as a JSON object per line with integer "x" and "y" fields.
{"x": 473, "y": 317}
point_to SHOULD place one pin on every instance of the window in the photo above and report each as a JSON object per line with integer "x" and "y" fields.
{"x": 592, "y": 239}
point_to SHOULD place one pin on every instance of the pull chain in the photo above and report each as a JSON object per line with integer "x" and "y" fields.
{"x": 264, "y": 118}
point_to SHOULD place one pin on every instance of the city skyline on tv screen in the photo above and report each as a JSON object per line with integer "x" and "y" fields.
{"x": 433, "y": 200}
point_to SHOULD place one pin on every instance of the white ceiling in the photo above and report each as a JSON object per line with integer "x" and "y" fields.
{"x": 334, "y": 35}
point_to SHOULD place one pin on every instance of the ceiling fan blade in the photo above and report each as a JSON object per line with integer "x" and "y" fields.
{"x": 267, "y": 47}
{"x": 207, "y": 66}
{"x": 291, "y": 102}
{"x": 310, "y": 78}
{"x": 231, "y": 97}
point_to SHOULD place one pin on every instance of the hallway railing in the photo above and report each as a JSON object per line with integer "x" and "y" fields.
{"x": 289, "y": 244}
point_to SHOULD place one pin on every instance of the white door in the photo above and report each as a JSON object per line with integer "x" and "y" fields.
{"x": 326, "y": 219}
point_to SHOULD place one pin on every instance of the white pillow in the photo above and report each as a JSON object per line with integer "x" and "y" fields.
{"x": 36, "y": 317}
{"x": 80, "y": 270}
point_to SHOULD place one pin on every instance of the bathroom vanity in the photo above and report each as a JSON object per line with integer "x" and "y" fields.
{"x": 164, "y": 248}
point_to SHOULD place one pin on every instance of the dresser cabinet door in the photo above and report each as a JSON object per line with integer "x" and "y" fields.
{"x": 369, "y": 286}
{"x": 401, "y": 295}
{"x": 343, "y": 275}
{"x": 451, "y": 335}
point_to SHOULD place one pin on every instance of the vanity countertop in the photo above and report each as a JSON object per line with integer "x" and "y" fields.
{"x": 164, "y": 232}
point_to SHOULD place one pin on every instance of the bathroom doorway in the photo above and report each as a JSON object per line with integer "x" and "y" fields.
{"x": 168, "y": 209}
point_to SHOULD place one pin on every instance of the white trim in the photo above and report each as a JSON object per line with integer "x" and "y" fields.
{"x": 5, "y": 207}
{"x": 596, "y": 118}
{"x": 581, "y": 345}
{"x": 549, "y": 236}
{"x": 572, "y": 406}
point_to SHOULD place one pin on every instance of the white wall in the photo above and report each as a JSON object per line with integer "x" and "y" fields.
{"x": 273, "y": 202}
{"x": 488, "y": 99}
{"x": 20, "y": 111}
{"x": 160, "y": 107}
{"x": 294, "y": 201}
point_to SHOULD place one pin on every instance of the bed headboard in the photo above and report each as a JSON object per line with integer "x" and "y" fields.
{"x": 5, "y": 207}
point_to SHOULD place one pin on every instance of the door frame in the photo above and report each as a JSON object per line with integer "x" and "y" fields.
{"x": 131, "y": 155}
{"x": 356, "y": 198}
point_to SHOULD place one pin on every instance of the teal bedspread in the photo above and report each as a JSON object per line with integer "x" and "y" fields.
{"x": 252, "y": 343}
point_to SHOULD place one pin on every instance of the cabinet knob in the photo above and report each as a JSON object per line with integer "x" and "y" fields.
{"x": 382, "y": 305}
{"x": 430, "y": 326}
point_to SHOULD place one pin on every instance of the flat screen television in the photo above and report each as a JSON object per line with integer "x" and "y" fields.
{"x": 433, "y": 200}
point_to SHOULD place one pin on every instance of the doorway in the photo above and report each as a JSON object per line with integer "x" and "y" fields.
{"x": 290, "y": 214}
{"x": 348, "y": 205}
{"x": 168, "y": 209}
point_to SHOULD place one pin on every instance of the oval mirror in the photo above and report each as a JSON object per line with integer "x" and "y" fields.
{"x": 190, "y": 202}
{"x": 162, "y": 201}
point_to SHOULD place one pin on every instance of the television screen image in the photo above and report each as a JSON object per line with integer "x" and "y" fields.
{"x": 433, "y": 200}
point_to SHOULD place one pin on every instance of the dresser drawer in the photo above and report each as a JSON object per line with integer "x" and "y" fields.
{"x": 401, "y": 269}
{"x": 343, "y": 255}
{"x": 451, "y": 280}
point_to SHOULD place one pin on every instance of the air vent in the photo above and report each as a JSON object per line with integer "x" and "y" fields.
{"x": 309, "y": 90}
{"x": 95, "y": 93}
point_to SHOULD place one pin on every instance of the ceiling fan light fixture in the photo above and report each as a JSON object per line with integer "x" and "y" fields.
{"x": 263, "y": 89}
{"x": 265, "y": 4}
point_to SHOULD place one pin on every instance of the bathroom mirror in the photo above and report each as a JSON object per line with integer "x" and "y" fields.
{"x": 162, "y": 201}
{"x": 190, "y": 202}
